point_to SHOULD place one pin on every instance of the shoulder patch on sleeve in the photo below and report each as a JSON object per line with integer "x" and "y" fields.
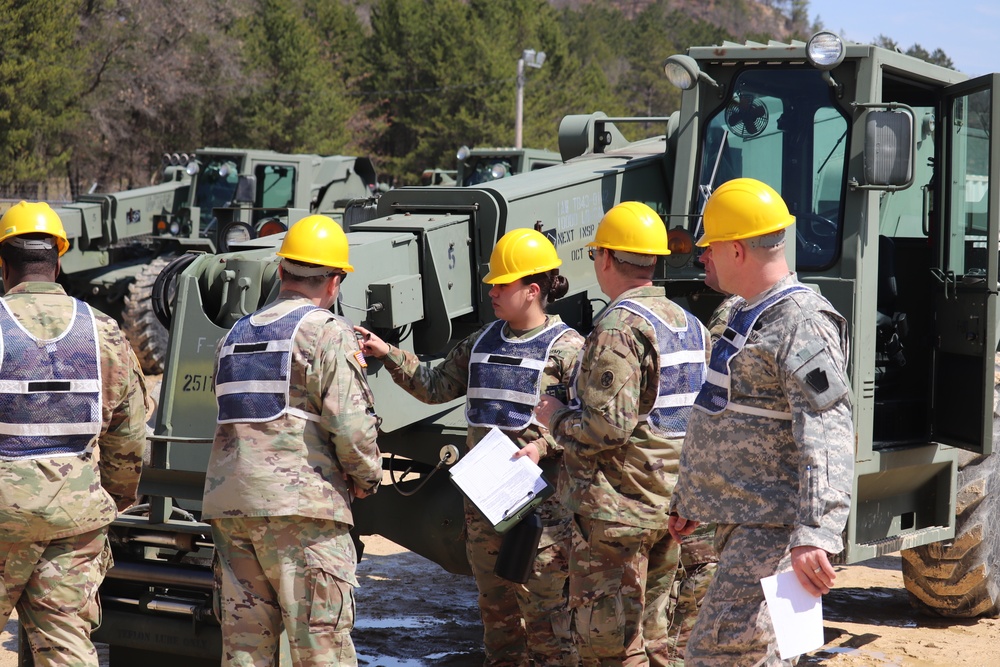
{"x": 818, "y": 378}
{"x": 360, "y": 356}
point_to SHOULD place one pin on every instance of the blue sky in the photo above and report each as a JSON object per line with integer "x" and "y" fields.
{"x": 965, "y": 29}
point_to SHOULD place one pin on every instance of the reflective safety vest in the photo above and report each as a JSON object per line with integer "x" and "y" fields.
{"x": 682, "y": 370}
{"x": 714, "y": 395}
{"x": 505, "y": 376}
{"x": 255, "y": 367}
{"x": 50, "y": 390}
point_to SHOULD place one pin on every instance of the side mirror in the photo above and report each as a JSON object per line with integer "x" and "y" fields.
{"x": 246, "y": 189}
{"x": 889, "y": 151}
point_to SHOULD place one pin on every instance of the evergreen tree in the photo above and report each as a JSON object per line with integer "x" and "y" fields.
{"x": 39, "y": 90}
{"x": 296, "y": 101}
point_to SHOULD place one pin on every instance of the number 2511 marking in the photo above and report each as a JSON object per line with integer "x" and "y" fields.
{"x": 197, "y": 383}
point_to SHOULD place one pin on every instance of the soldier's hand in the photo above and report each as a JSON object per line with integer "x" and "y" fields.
{"x": 371, "y": 345}
{"x": 813, "y": 569}
{"x": 680, "y": 527}
{"x": 531, "y": 451}
{"x": 547, "y": 406}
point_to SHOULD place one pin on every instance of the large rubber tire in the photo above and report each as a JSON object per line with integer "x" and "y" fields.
{"x": 148, "y": 337}
{"x": 960, "y": 578}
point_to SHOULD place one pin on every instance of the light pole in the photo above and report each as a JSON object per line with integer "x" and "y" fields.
{"x": 531, "y": 58}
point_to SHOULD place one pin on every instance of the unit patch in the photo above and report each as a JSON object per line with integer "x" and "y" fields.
{"x": 607, "y": 378}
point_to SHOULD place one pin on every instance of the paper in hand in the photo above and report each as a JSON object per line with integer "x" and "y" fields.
{"x": 796, "y": 614}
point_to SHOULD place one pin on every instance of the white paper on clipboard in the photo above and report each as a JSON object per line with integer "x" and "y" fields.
{"x": 496, "y": 482}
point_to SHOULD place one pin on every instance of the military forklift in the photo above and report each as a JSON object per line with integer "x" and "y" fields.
{"x": 888, "y": 164}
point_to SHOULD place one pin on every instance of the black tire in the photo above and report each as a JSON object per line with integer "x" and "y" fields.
{"x": 960, "y": 578}
{"x": 148, "y": 337}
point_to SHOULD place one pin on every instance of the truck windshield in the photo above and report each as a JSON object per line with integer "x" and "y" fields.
{"x": 216, "y": 186}
{"x": 485, "y": 169}
{"x": 782, "y": 126}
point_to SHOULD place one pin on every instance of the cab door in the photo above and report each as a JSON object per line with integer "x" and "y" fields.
{"x": 964, "y": 296}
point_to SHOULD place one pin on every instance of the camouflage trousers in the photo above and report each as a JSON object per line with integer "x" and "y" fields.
{"x": 285, "y": 572}
{"x": 620, "y": 583}
{"x": 734, "y": 628}
{"x": 698, "y": 565}
{"x": 53, "y": 585}
{"x": 526, "y": 622}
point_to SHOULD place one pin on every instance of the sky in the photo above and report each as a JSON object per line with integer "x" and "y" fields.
{"x": 966, "y": 30}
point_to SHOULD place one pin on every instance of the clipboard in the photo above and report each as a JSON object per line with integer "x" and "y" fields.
{"x": 514, "y": 517}
{"x": 503, "y": 489}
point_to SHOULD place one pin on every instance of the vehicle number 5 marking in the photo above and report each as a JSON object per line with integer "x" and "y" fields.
{"x": 197, "y": 383}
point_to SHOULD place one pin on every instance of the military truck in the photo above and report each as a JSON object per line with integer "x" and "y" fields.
{"x": 481, "y": 165}
{"x": 887, "y": 162}
{"x": 121, "y": 241}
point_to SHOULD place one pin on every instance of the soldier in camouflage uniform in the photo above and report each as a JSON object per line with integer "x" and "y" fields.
{"x": 71, "y": 442}
{"x": 641, "y": 368}
{"x": 295, "y": 442}
{"x": 520, "y": 622}
{"x": 769, "y": 449}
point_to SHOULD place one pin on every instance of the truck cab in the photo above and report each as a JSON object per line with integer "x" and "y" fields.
{"x": 889, "y": 166}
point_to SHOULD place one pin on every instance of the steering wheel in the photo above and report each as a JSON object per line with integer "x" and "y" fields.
{"x": 815, "y": 235}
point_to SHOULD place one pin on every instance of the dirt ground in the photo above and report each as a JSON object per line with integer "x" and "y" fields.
{"x": 411, "y": 613}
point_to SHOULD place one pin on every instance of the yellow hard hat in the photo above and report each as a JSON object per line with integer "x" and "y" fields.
{"x": 632, "y": 226}
{"x": 33, "y": 218}
{"x": 520, "y": 253}
{"x": 317, "y": 239}
{"x": 741, "y": 209}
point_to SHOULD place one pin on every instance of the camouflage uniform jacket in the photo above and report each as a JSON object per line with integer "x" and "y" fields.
{"x": 739, "y": 468}
{"x": 46, "y": 499}
{"x": 450, "y": 379}
{"x": 615, "y": 468}
{"x": 292, "y": 466}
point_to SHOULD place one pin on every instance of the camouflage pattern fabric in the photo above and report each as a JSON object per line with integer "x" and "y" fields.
{"x": 520, "y": 623}
{"x": 618, "y": 476}
{"x": 289, "y": 572}
{"x": 278, "y": 496}
{"x": 291, "y": 466}
{"x": 54, "y": 585}
{"x": 698, "y": 556}
{"x": 698, "y": 566}
{"x": 751, "y": 470}
{"x": 720, "y": 316}
{"x": 737, "y": 631}
{"x": 615, "y": 468}
{"x": 530, "y": 621}
{"x": 54, "y": 512}
{"x": 620, "y": 580}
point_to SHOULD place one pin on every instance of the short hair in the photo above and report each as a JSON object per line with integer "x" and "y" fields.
{"x": 310, "y": 281}
{"x": 30, "y": 260}
{"x": 632, "y": 269}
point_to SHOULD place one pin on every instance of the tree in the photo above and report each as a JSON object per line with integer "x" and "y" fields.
{"x": 157, "y": 77}
{"x": 295, "y": 101}
{"x": 39, "y": 90}
{"x": 938, "y": 57}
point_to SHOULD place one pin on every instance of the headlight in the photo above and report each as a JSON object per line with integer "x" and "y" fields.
{"x": 175, "y": 227}
{"x": 825, "y": 50}
{"x": 682, "y": 71}
{"x": 498, "y": 171}
{"x": 234, "y": 232}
